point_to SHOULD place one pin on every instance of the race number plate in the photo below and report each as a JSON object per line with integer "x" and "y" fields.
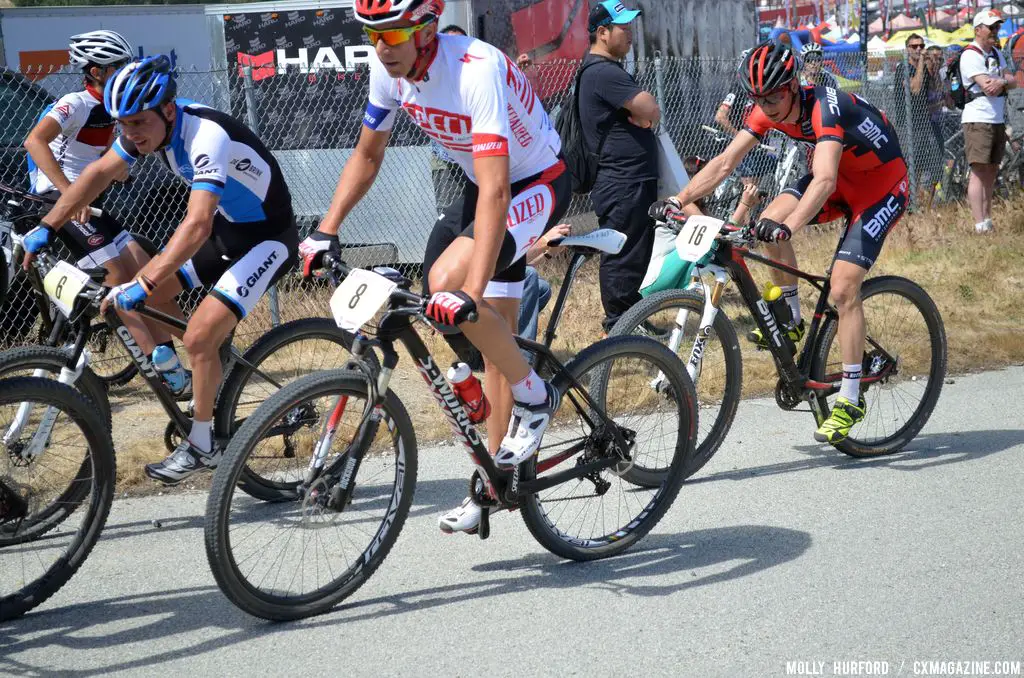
{"x": 697, "y": 237}
{"x": 359, "y": 297}
{"x": 63, "y": 283}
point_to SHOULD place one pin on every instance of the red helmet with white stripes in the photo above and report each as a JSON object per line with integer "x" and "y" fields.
{"x": 375, "y": 12}
{"x": 768, "y": 67}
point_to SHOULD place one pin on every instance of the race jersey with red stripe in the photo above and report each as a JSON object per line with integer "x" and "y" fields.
{"x": 473, "y": 101}
{"x": 870, "y": 146}
{"x": 86, "y": 130}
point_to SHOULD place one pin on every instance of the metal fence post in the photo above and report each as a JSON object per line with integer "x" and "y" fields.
{"x": 659, "y": 83}
{"x": 254, "y": 124}
{"x": 909, "y": 126}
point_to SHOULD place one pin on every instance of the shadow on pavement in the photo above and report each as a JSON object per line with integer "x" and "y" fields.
{"x": 687, "y": 560}
{"x": 925, "y": 451}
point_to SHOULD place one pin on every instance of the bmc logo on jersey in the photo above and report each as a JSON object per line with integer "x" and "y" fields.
{"x": 873, "y": 133}
{"x": 833, "y": 100}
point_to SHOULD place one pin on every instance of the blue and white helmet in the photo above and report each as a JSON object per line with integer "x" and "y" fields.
{"x": 140, "y": 86}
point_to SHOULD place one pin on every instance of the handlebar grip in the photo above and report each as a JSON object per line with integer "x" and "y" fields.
{"x": 472, "y": 317}
{"x": 96, "y": 211}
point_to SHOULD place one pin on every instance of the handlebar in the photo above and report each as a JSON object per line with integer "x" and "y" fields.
{"x": 402, "y": 301}
{"x": 740, "y": 236}
{"x": 721, "y": 136}
{"x": 39, "y": 200}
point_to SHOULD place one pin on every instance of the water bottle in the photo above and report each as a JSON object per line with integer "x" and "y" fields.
{"x": 780, "y": 309}
{"x": 166, "y": 362}
{"x": 470, "y": 391}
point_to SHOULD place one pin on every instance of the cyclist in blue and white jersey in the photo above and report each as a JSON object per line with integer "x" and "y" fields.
{"x": 238, "y": 235}
{"x": 72, "y": 133}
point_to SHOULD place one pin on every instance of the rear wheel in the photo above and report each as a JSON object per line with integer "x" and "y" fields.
{"x": 284, "y": 354}
{"x": 603, "y": 513}
{"x": 907, "y": 342}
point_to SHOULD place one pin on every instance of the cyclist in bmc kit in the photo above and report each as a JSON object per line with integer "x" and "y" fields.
{"x": 474, "y": 101}
{"x": 858, "y": 173}
{"x": 238, "y": 235}
{"x": 72, "y": 133}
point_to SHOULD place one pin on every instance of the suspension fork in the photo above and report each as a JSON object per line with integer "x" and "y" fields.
{"x": 41, "y": 437}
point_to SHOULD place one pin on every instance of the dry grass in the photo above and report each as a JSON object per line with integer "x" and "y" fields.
{"x": 975, "y": 281}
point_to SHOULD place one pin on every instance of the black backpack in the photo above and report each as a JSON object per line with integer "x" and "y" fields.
{"x": 957, "y": 89}
{"x": 581, "y": 163}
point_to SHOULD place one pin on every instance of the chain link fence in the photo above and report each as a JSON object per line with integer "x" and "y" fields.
{"x": 311, "y": 121}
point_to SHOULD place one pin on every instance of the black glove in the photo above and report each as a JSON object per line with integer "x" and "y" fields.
{"x": 450, "y": 308}
{"x": 772, "y": 231}
{"x": 313, "y": 249}
{"x": 663, "y": 210}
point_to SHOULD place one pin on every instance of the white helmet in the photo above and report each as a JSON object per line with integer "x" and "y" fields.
{"x": 810, "y": 48}
{"x": 99, "y": 48}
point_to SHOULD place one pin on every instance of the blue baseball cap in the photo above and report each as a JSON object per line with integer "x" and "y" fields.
{"x": 611, "y": 12}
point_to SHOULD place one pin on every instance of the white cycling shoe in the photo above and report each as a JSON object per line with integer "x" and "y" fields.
{"x": 463, "y": 518}
{"x": 525, "y": 432}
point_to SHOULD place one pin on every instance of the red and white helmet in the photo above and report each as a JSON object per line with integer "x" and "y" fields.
{"x": 376, "y": 12}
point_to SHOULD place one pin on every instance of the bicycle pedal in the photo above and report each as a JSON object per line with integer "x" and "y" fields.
{"x": 484, "y": 529}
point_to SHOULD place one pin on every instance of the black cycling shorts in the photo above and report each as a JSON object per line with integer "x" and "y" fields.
{"x": 869, "y": 217}
{"x": 241, "y": 261}
{"x": 95, "y": 243}
{"x": 538, "y": 203}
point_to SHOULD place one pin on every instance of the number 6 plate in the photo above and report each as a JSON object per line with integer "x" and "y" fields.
{"x": 62, "y": 284}
{"x": 359, "y": 297}
{"x": 697, "y": 236}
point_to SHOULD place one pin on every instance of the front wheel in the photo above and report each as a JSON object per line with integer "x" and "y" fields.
{"x": 293, "y": 559}
{"x": 673, "y": 318}
{"x": 906, "y": 342}
{"x": 36, "y": 558}
{"x": 603, "y": 513}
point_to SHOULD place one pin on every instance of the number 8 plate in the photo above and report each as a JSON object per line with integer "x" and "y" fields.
{"x": 359, "y": 297}
{"x": 697, "y": 236}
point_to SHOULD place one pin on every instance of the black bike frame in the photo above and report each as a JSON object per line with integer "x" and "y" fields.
{"x": 794, "y": 373}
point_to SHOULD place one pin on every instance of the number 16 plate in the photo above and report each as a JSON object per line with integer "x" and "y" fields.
{"x": 697, "y": 236}
{"x": 359, "y": 297}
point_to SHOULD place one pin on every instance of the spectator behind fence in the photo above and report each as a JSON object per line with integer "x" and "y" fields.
{"x": 938, "y": 94}
{"x": 731, "y": 115}
{"x": 983, "y": 68}
{"x": 537, "y": 290}
{"x": 615, "y": 110}
{"x": 919, "y": 81}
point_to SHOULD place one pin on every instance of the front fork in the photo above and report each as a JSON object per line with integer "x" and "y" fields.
{"x": 42, "y": 435}
{"x": 713, "y": 298}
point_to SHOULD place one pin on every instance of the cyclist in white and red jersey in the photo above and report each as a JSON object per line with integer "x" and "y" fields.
{"x": 71, "y": 134}
{"x": 474, "y": 101}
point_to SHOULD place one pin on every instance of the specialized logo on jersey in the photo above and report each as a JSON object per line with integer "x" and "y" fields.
{"x": 468, "y": 58}
{"x": 451, "y": 129}
{"x": 529, "y": 205}
{"x": 518, "y": 83}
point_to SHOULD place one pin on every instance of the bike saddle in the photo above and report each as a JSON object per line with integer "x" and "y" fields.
{"x": 605, "y": 240}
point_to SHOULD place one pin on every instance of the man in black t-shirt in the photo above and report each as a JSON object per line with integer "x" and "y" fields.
{"x": 617, "y": 117}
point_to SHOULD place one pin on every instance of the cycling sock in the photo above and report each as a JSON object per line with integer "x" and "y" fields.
{"x": 530, "y": 391}
{"x": 850, "y": 388}
{"x": 792, "y": 297}
{"x": 199, "y": 436}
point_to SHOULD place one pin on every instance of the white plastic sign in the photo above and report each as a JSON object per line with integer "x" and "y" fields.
{"x": 359, "y": 297}
{"x": 63, "y": 283}
{"x": 697, "y": 236}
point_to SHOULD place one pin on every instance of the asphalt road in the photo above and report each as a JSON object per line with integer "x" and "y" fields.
{"x": 780, "y": 551}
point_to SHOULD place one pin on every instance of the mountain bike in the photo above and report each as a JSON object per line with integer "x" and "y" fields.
{"x": 19, "y": 212}
{"x": 902, "y": 377}
{"x": 357, "y": 470}
{"x": 281, "y": 354}
{"x": 56, "y": 469}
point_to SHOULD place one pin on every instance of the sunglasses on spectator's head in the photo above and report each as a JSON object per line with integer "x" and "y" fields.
{"x": 393, "y": 36}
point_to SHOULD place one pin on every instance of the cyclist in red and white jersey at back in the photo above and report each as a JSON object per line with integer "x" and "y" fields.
{"x": 858, "y": 173}
{"x": 470, "y": 98}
